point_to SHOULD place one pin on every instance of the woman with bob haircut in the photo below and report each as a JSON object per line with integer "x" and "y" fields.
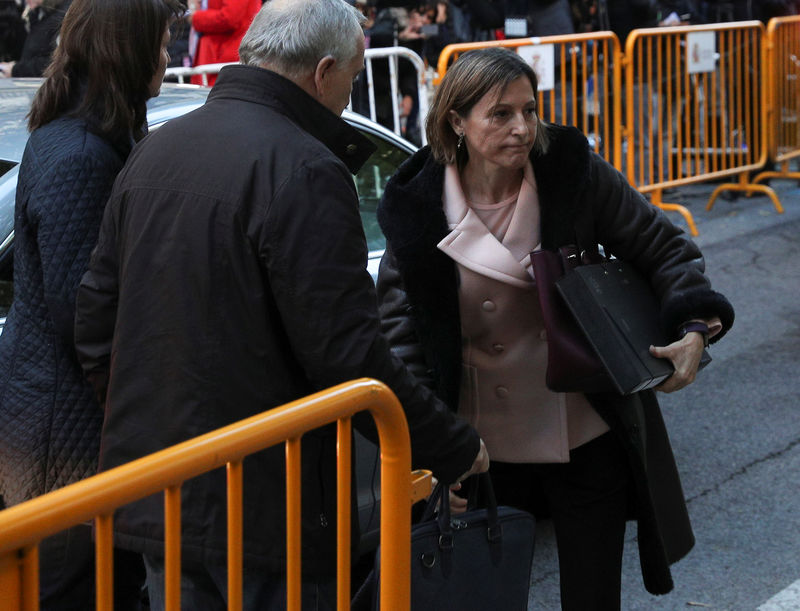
{"x": 84, "y": 120}
{"x": 459, "y": 305}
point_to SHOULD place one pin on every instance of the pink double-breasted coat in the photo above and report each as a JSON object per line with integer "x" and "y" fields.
{"x": 503, "y": 392}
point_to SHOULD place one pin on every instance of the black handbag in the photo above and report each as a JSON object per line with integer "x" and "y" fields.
{"x": 601, "y": 317}
{"x": 474, "y": 561}
{"x": 572, "y": 362}
{"x": 618, "y": 312}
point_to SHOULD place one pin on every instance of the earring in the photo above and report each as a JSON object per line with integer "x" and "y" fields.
{"x": 460, "y": 141}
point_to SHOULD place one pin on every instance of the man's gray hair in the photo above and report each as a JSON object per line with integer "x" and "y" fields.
{"x": 292, "y": 36}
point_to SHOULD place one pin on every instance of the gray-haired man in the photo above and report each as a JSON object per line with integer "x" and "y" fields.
{"x": 230, "y": 277}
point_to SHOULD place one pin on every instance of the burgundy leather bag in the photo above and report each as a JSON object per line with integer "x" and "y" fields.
{"x": 572, "y": 363}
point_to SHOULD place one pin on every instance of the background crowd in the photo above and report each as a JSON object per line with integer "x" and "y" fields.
{"x": 29, "y": 28}
{"x": 211, "y": 31}
{"x": 427, "y": 27}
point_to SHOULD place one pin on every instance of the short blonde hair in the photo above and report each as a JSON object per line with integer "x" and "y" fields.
{"x": 471, "y": 77}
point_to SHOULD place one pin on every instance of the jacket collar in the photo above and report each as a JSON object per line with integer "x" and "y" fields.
{"x": 411, "y": 214}
{"x": 268, "y": 88}
{"x": 471, "y": 244}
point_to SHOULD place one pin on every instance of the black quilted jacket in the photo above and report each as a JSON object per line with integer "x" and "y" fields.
{"x": 49, "y": 420}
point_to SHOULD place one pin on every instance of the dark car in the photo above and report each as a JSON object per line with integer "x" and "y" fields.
{"x": 175, "y": 100}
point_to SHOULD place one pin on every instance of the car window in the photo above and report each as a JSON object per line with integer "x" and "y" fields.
{"x": 370, "y": 182}
{"x": 8, "y": 189}
{"x": 8, "y": 184}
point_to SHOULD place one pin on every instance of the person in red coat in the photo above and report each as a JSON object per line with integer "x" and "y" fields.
{"x": 219, "y": 26}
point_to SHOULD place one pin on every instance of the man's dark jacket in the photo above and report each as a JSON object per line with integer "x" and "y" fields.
{"x": 231, "y": 274}
{"x": 418, "y": 290}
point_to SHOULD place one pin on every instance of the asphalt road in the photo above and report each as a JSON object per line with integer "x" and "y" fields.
{"x": 736, "y": 430}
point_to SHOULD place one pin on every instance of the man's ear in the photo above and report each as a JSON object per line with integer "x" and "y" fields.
{"x": 322, "y": 74}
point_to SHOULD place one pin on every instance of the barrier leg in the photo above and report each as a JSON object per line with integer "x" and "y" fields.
{"x": 235, "y": 507}
{"x": 19, "y": 580}
{"x": 344, "y": 461}
{"x": 172, "y": 548}
{"x": 745, "y": 187}
{"x": 655, "y": 199}
{"x": 784, "y": 174}
{"x": 10, "y": 582}
{"x": 293, "y": 513}
{"x": 104, "y": 563}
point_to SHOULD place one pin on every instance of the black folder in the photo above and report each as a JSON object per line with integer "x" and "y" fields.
{"x": 617, "y": 310}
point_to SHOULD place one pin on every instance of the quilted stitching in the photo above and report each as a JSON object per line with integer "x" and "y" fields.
{"x": 49, "y": 421}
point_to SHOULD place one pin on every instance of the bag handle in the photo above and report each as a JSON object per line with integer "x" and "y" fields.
{"x": 440, "y": 497}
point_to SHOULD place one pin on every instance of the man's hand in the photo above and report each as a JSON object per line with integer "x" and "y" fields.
{"x": 479, "y": 465}
{"x": 685, "y": 357}
{"x": 458, "y": 504}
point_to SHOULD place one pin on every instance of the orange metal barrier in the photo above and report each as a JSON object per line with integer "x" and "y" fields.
{"x": 695, "y": 109}
{"x": 23, "y": 526}
{"x": 580, "y": 81}
{"x": 783, "y": 95}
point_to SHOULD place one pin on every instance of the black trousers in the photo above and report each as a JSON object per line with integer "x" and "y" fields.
{"x": 67, "y": 573}
{"x": 204, "y": 587}
{"x": 587, "y": 499}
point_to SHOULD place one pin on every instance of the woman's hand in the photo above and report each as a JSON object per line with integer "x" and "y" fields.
{"x": 685, "y": 357}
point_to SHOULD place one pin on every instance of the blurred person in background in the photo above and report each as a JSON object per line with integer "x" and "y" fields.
{"x": 12, "y": 30}
{"x": 485, "y": 17}
{"x": 765, "y": 10}
{"x": 42, "y": 20}
{"x": 395, "y": 26}
{"x": 217, "y": 29}
{"x": 542, "y": 17}
{"x": 84, "y": 121}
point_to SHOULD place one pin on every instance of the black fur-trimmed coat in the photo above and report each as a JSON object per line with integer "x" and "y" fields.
{"x": 418, "y": 293}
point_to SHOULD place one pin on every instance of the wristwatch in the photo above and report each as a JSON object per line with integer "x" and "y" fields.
{"x": 700, "y": 327}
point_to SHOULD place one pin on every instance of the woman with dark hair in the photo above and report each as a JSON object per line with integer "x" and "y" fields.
{"x": 460, "y": 306}
{"x": 84, "y": 121}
